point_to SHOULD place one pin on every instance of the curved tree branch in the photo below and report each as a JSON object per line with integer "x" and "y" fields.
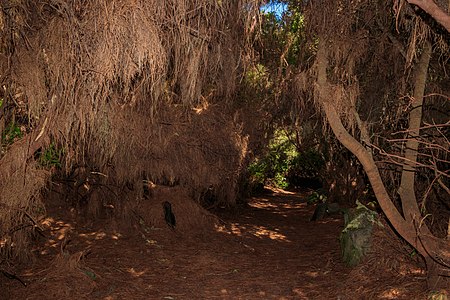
{"x": 433, "y": 10}
{"x": 432, "y": 248}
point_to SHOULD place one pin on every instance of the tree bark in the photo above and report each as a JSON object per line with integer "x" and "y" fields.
{"x": 408, "y": 198}
{"x": 325, "y": 96}
{"x": 435, "y": 251}
{"x": 410, "y": 207}
{"x": 433, "y": 10}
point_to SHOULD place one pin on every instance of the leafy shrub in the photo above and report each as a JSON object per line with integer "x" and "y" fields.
{"x": 307, "y": 164}
{"x": 318, "y": 196}
{"x": 50, "y": 157}
{"x": 283, "y": 166}
{"x": 11, "y": 133}
{"x": 273, "y": 167}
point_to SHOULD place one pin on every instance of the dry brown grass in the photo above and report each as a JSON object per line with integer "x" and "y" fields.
{"x": 129, "y": 88}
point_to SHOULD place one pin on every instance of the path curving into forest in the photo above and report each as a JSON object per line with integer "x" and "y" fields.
{"x": 268, "y": 249}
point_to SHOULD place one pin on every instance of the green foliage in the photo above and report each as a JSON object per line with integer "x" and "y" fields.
{"x": 282, "y": 163}
{"x": 318, "y": 196}
{"x": 275, "y": 165}
{"x": 11, "y": 133}
{"x": 51, "y": 157}
{"x": 307, "y": 164}
{"x": 258, "y": 78}
{"x": 283, "y": 34}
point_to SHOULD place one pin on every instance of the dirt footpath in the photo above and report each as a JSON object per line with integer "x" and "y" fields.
{"x": 266, "y": 250}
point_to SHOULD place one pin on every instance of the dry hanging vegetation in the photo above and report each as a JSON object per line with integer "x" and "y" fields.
{"x": 127, "y": 91}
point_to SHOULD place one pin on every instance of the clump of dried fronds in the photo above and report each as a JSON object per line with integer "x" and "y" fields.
{"x": 132, "y": 89}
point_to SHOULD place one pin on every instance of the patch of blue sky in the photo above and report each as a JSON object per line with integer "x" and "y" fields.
{"x": 275, "y": 7}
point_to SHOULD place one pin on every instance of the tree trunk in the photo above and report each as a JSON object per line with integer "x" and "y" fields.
{"x": 428, "y": 246}
{"x": 408, "y": 198}
{"x": 410, "y": 207}
{"x": 364, "y": 156}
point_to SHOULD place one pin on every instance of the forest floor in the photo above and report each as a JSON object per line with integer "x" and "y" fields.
{"x": 268, "y": 249}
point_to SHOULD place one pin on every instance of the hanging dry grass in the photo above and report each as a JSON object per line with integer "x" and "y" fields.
{"x": 113, "y": 84}
{"x": 20, "y": 208}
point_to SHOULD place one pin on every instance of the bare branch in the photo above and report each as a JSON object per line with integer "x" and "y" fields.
{"x": 402, "y": 160}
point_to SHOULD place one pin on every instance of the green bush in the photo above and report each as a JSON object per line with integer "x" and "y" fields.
{"x": 51, "y": 157}
{"x": 274, "y": 166}
{"x": 282, "y": 165}
{"x": 11, "y": 133}
{"x": 307, "y": 164}
{"x": 318, "y": 196}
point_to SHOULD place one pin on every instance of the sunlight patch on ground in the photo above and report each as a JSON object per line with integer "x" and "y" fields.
{"x": 312, "y": 274}
{"x": 298, "y": 292}
{"x": 279, "y": 191}
{"x": 222, "y": 229}
{"x": 266, "y": 203}
{"x": 235, "y": 229}
{"x": 48, "y": 222}
{"x": 391, "y": 294}
{"x": 257, "y": 231}
{"x": 60, "y": 232}
{"x": 96, "y": 235}
{"x": 261, "y": 231}
{"x": 116, "y": 236}
{"x": 296, "y": 205}
{"x": 407, "y": 269}
{"x": 135, "y": 273}
{"x": 262, "y": 203}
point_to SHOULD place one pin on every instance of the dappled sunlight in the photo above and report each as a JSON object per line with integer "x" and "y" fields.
{"x": 257, "y": 231}
{"x": 63, "y": 232}
{"x": 235, "y": 229}
{"x": 265, "y": 203}
{"x": 279, "y": 191}
{"x": 262, "y": 203}
{"x": 95, "y": 235}
{"x": 293, "y": 205}
{"x": 298, "y": 292}
{"x": 116, "y": 236}
{"x": 408, "y": 269}
{"x": 261, "y": 231}
{"x": 330, "y": 220}
{"x": 136, "y": 273}
{"x": 48, "y": 222}
{"x": 60, "y": 232}
{"x": 312, "y": 274}
{"x": 392, "y": 293}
